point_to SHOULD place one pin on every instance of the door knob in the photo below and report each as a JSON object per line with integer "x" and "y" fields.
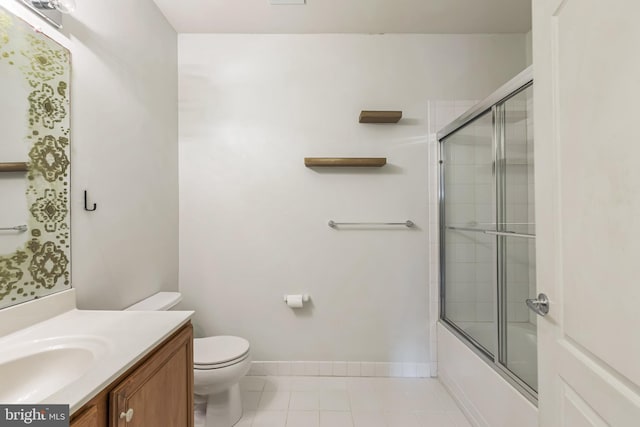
{"x": 540, "y": 306}
{"x": 127, "y": 415}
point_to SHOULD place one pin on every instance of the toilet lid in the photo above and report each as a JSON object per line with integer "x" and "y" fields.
{"x": 218, "y": 350}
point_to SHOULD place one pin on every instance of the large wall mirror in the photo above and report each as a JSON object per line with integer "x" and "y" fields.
{"x": 35, "y": 241}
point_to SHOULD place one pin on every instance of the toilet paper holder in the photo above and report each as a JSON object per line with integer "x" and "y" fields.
{"x": 305, "y": 297}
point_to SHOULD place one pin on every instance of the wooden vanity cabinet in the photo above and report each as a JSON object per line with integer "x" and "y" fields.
{"x": 87, "y": 417}
{"x": 156, "y": 392}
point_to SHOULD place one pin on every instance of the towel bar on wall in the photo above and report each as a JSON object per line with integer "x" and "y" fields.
{"x": 14, "y": 167}
{"x": 20, "y": 228}
{"x": 407, "y": 223}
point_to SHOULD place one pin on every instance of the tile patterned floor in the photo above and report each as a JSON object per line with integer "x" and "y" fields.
{"x": 345, "y": 402}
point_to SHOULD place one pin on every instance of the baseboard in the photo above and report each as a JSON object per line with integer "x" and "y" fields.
{"x": 340, "y": 369}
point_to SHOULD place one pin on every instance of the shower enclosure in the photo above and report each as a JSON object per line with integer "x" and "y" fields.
{"x": 487, "y": 231}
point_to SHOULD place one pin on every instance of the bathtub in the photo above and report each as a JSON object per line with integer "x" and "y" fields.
{"x": 522, "y": 356}
{"x": 485, "y": 397}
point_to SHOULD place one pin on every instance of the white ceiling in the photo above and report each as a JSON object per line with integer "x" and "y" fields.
{"x": 349, "y": 16}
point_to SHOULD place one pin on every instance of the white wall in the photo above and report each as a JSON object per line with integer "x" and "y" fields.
{"x": 253, "y": 218}
{"x": 125, "y": 154}
{"x": 123, "y": 149}
{"x": 529, "y": 47}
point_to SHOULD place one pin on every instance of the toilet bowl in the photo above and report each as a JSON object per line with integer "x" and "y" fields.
{"x": 218, "y": 364}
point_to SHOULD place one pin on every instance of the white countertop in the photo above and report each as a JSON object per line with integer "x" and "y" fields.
{"x": 122, "y": 338}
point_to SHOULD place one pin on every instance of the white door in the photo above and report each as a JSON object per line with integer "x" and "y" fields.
{"x": 587, "y": 131}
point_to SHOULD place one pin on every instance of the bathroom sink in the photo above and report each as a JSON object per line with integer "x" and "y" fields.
{"x": 33, "y": 370}
{"x": 51, "y": 352}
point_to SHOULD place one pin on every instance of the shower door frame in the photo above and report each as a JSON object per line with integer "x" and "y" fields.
{"x": 494, "y": 103}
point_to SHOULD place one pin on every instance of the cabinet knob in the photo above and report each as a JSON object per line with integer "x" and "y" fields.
{"x": 127, "y": 415}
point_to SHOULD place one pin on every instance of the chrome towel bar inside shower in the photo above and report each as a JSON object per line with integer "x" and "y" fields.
{"x": 407, "y": 223}
{"x": 20, "y": 228}
{"x": 493, "y": 232}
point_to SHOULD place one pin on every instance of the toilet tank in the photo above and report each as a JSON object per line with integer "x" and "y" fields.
{"x": 161, "y": 301}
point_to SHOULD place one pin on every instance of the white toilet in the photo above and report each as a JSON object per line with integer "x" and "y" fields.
{"x": 219, "y": 363}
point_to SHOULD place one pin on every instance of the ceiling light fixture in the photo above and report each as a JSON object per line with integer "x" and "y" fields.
{"x": 286, "y": 2}
{"x": 50, "y": 10}
{"x": 63, "y": 6}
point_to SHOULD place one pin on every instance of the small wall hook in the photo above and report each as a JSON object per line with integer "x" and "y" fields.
{"x": 86, "y": 208}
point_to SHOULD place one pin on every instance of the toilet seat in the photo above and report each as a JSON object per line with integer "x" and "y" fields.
{"x": 219, "y": 351}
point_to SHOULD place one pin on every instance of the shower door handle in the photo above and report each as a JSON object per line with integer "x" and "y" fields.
{"x": 540, "y": 306}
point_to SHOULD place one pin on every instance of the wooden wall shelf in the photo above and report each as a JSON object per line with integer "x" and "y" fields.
{"x": 380, "y": 116}
{"x": 14, "y": 167}
{"x": 345, "y": 161}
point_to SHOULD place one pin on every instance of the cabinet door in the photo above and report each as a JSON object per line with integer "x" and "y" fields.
{"x": 88, "y": 418}
{"x": 160, "y": 392}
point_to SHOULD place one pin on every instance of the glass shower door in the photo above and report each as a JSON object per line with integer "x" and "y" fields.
{"x": 487, "y": 233}
{"x": 518, "y": 328}
{"x": 469, "y": 274}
